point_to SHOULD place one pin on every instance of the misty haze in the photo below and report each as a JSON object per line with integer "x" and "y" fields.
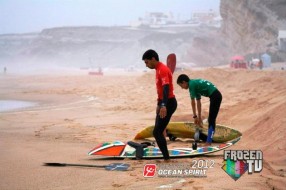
{"x": 204, "y": 38}
{"x": 74, "y": 90}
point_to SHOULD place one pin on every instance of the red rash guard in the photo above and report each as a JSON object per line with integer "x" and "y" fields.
{"x": 163, "y": 77}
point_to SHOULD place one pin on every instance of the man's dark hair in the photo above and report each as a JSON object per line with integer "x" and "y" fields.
{"x": 182, "y": 78}
{"x": 149, "y": 54}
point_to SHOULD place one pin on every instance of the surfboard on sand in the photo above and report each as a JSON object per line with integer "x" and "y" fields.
{"x": 171, "y": 62}
{"x": 120, "y": 149}
{"x": 188, "y": 129}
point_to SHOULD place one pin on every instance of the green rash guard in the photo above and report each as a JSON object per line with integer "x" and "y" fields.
{"x": 200, "y": 87}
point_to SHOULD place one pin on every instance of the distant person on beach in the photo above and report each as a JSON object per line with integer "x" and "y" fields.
{"x": 260, "y": 64}
{"x": 5, "y": 70}
{"x": 198, "y": 88}
{"x": 166, "y": 102}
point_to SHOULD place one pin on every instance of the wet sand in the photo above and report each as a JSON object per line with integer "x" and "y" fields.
{"x": 76, "y": 112}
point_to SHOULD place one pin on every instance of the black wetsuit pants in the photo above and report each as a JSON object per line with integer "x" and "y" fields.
{"x": 161, "y": 124}
{"x": 215, "y": 101}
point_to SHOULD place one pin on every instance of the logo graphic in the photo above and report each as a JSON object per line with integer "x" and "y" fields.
{"x": 237, "y": 162}
{"x": 195, "y": 169}
{"x": 149, "y": 170}
{"x": 235, "y": 169}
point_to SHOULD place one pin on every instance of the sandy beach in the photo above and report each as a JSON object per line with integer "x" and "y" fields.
{"x": 76, "y": 111}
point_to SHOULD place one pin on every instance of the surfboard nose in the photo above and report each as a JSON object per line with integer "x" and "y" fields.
{"x": 108, "y": 149}
{"x": 138, "y": 136}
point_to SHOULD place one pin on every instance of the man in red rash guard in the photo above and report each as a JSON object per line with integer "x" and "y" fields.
{"x": 167, "y": 103}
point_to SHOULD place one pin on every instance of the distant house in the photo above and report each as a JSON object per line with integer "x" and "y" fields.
{"x": 282, "y": 40}
{"x": 207, "y": 17}
{"x": 154, "y": 18}
{"x": 161, "y": 19}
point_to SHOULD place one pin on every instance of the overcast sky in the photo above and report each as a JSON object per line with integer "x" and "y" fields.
{"x": 22, "y": 16}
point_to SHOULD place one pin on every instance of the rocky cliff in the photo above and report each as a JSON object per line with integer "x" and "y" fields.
{"x": 251, "y": 26}
{"x": 95, "y": 46}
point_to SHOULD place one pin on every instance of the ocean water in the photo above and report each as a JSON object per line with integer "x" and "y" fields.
{"x": 12, "y": 105}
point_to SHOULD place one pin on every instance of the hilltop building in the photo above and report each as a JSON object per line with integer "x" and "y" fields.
{"x": 160, "y": 19}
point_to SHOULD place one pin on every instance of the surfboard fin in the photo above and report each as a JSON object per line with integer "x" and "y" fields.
{"x": 171, "y": 137}
{"x": 138, "y": 147}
